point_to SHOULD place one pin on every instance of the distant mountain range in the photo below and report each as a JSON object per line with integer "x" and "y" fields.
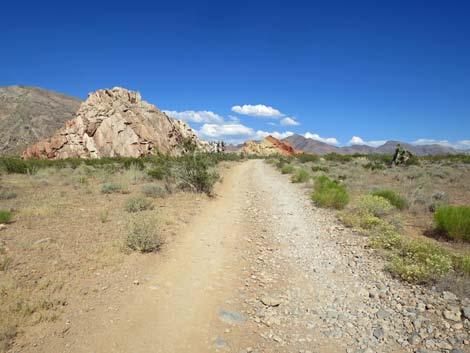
{"x": 29, "y": 114}
{"x": 308, "y": 145}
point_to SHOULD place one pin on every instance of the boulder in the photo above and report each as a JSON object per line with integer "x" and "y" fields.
{"x": 269, "y": 146}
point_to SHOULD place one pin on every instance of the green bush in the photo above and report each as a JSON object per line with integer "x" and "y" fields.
{"x": 143, "y": 235}
{"x": 376, "y": 165}
{"x": 5, "y": 216}
{"x": 330, "y": 194}
{"x": 152, "y": 190}
{"x": 7, "y": 195}
{"x": 392, "y": 197}
{"x": 110, "y": 188}
{"x": 387, "y": 241}
{"x": 455, "y": 221}
{"x": 302, "y": 176}
{"x": 159, "y": 172}
{"x": 287, "y": 169}
{"x": 307, "y": 157}
{"x": 375, "y": 205}
{"x": 137, "y": 204}
{"x": 336, "y": 157}
{"x": 421, "y": 262}
{"x": 193, "y": 173}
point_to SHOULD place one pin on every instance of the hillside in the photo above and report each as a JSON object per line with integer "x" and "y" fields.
{"x": 316, "y": 147}
{"x": 29, "y": 114}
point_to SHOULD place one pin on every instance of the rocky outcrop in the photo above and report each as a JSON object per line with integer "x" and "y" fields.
{"x": 269, "y": 146}
{"x": 117, "y": 122}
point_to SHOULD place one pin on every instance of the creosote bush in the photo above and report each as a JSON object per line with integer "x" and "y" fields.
{"x": 193, "y": 172}
{"x": 137, "y": 204}
{"x": 110, "y": 188}
{"x": 5, "y": 216}
{"x": 307, "y": 157}
{"x": 375, "y": 205}
{"x": 302, "y": 176}
{"x": 455, "y": 221}
{"x": 328, "y": 193}
{"x": 143, "y": 235}
{"x": 392, "y": 197}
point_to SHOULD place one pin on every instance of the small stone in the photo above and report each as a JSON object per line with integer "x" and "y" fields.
{"x": 382, "y": 314}
{"x": 378, "y": 333}
{"x": 136, "y": 282}
{"x": 232, "y": 317}
{"x": 449, "y": 296}
{"x": 466, "y": 312}
{"x": 414, "y": 338}
{"x": 453, "y": 314}
{"x": 220, "y": 343}
{"x": 271, "y": 301}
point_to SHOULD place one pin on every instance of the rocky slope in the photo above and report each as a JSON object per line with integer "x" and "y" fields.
{"x": 29, "y": 114}
{"x": 117, "y": 122}
{"x": 308, "y": 145}
{"x": 269, "y": 146}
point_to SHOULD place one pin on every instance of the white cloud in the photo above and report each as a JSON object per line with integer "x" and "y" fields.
{"x": 216, "y": 130}
{"x": 316, "y": 137}
{"x": 258, "y": 110}
{"x": 461, "y": 144}
{"x": 203, "y": 116}
{"x": 289, "y": 122}
{"x": 356, "y": 140}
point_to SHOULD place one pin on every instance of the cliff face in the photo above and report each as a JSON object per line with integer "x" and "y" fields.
{"x": 117, "y": 122}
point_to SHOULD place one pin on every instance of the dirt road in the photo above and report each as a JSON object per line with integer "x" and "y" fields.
{"x": 260, "y": 270}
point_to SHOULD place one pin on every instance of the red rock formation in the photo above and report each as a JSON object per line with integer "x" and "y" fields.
{"x": 284, "y": 146}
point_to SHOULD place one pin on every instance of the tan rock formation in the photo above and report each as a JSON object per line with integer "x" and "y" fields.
{"x": 269, "y": 146}
{"x": 117, "y": 122}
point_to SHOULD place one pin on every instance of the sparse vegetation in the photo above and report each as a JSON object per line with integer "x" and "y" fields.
{"x": 5, "y": 216}
{"x": 455, "y": 221}
{"x": 301, "y": 176}
{"x": 392, "y": 197}
{"x": 152, "y": 190}
{"x": 7, "y": 194}
{"x": 375, "y": 205}
{"x": 287, "y": 169}
{"x": 111, "y": 188}
{"x": 143, "y": 236}
{"x": 137, "y": 204}
{"x": 328, "y": 193}
{"x": 307, "y": 157}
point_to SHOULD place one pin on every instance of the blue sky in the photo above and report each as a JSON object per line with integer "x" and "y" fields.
{"x": 374, "y": 70}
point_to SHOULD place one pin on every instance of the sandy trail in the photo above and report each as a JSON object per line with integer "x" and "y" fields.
{"x": 259, "y": 270}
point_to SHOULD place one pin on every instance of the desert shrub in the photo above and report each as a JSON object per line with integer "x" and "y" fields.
{"x": 104, "y": 216}
{"x": 318, "y": 168}
{"x": 375, "y": 165}
{"x": 301, "y": 176}
{"x": 384, "y": 159}
{"x": 152, "y": 190}
{"x": 7, "y": 334}
{"x": 133, "y": 174}
{"x": 307, "y": 157}
{"x": 455, "y": 221}
{"x": 392, "y": 197}
{"x": 420, "y": 262}
{"x": 7, "y": 194}
{"x": 5, "y": 216}
{"x": 336, "y": 157}
{"x": 137, "y": 204}
{"x": 5, "y": 262}
{"x": 110, "y": 188}
{"x": 386, "y": 240}
{"x": 462, "y": 264}
{"x": 366, "y": 223}
{"x": 287, "y": 169}
{"x": 143, "y": 235}
{"x": 328, "y": 193}
{"x": 375, "y": 205}
{"x": 159, "y": 172}
{"x": 193, "y": 173}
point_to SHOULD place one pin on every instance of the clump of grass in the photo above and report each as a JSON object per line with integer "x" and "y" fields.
{"x": 5, "y": 216}
{"x": 133, "y": 174}
{"x": 302, "y": 176}
{"x": 152, "y": 190}
{"x": 137, "y": 204}
{"x": 396, "y": 200}
{"x": 455, "y": 221}
{"x": 287, "y": 169}
{"x": 104, "y": 216}
{"x": 375, "y": 205}
{"x": 7, "y": 194}
{"x": 110, "y": 188}
{"x": 143, "y": 235}
{"x": 328, "y": 193}
{"x": 5, "y": 262}
{"x": 420, "y": 262}
{"x": 7, "y": 334}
